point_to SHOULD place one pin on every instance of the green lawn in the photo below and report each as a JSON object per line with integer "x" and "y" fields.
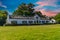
{"x": 37, "y": 32}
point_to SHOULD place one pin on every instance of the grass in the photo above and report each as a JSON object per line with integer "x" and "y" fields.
{"x": 37, "y": 32}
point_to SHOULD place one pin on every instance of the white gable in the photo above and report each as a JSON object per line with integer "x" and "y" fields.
{"x": 36, "y": 16}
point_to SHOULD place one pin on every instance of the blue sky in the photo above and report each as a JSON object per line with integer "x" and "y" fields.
{"x": 45, "y": 6}
{"x": 13, "y": 4}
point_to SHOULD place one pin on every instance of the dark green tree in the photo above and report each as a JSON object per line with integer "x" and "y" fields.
{"x": 24, "y": 10}
{"x": 57, "y": 18}
{"x": 3, "y": 17}
{"x": 39, "y": 13}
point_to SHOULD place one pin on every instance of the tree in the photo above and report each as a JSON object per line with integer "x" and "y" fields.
{"x": 57, "y": 18}
{"x": 39, "y": 13}
{"x": 24, "y": 10}
{"x": 30, "y": 5}
{"x": 20, "y": 10}
{"x": 3, "y": 17}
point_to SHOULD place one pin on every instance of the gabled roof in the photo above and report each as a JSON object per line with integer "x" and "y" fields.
{"x": 20, "y": 17}
{"x": 27, "y": 17}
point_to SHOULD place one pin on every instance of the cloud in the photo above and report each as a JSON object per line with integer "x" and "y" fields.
{"x": 49, "y": 11}
{"x": 47, "y": 3}
{"x": 57, "y": 10}
{"x": 1, "y": 5}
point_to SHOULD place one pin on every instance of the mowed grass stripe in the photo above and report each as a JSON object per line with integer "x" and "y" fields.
{"x": 37, "y": 32}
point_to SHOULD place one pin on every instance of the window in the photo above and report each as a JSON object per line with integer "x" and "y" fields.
{"x": 43, "y": 21}
{"x": 30, "y": 22}
{"x": 24, "y": 22}
{"x": 13, "y": 22}
{"x": 34, "y": 22}
{"x": 36, "y": 17}
{"x": 47, "y": 21}
{"x": 39, "y": 21}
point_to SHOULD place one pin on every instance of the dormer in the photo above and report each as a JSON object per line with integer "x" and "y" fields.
{"x": 36, "y": 17}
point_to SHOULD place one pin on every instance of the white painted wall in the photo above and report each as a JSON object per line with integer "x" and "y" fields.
{"x": 19, "y": 21}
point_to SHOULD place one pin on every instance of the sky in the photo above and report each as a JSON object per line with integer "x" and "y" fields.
{"x": 47, "y": 7}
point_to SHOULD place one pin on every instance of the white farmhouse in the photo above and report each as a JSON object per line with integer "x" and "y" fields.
{"x": 28, "y": 20}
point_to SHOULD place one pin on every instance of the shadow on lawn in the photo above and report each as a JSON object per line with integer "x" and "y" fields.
{"x": 28, "y": 24}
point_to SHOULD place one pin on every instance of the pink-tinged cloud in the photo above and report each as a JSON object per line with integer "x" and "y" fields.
{"x": 47, "y": 3}
{"x": 43, "y": 3}
{"x": 49, "y": 13}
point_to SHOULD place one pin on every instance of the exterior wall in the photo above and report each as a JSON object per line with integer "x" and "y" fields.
{"x": 52, "y": 21}
{"x": 8, "y": 20}
{"x": 19, "y": 21}
{"x": 34, "y": 20}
